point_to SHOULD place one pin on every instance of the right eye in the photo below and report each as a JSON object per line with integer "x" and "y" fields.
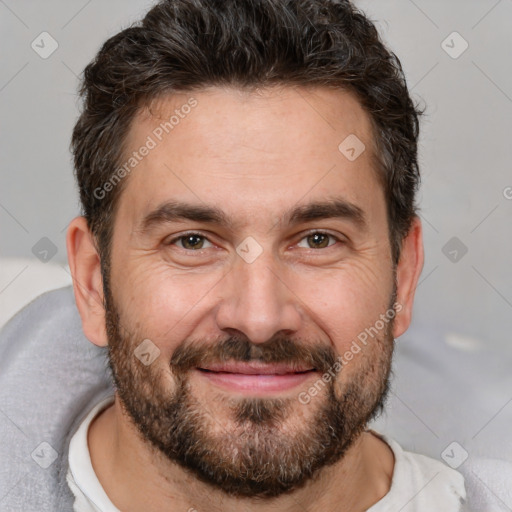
{"x": 190, "y": 241}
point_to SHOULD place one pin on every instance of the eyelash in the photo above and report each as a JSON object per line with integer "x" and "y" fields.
{"x": 313, "y": 232}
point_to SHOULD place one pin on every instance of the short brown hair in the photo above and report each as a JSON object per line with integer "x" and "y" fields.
{"x": 185, "y": 45}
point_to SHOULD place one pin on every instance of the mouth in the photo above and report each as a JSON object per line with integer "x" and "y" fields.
{"x": 255, "y": 377}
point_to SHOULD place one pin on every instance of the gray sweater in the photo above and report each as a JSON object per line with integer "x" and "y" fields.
{"x": 50, "y": 377}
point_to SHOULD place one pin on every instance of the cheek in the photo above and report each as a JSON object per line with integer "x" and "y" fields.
{"x": 162, "y": 303}
{"x": 346, "y": 301}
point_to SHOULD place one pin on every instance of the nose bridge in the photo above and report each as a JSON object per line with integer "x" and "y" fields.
{"x": 259, "y": 302}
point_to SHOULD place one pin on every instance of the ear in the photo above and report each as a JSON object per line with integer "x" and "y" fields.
{"x": 408, "y": 272}
{"x": 84, "y": 263}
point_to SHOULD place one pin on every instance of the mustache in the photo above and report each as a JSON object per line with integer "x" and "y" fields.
{"x": 279, "y": 349}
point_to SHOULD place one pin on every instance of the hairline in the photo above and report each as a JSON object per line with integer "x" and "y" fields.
{"x": 145, "y": 103}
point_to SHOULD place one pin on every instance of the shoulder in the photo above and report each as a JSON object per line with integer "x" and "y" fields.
{"x": 50, "y": 377}
{"x": 422, "y": 484}
{"x": 489, "y": 483}
{"x": 481, "y": 483}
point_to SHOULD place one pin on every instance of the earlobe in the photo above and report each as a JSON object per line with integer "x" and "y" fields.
{"x": 85, "y": 266}
{"x": 408, "y": 272}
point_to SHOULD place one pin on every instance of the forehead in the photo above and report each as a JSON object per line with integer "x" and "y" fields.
{"x": 250, "y": 152}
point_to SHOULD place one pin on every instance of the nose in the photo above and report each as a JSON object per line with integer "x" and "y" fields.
{"x": 258, "y": 300}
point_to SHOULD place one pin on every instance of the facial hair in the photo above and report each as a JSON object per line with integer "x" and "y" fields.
{"x": 262, "y": 453}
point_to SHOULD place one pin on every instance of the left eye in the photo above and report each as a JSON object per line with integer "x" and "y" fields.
{"x": 319, "y": 240}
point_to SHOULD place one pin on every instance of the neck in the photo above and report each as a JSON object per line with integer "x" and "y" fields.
{"x": 136, "y": 476}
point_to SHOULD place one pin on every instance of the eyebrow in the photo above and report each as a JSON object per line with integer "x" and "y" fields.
{"x": 175, "y": 211}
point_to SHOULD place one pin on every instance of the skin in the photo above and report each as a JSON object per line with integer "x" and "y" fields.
{"x": 255, "y": 156}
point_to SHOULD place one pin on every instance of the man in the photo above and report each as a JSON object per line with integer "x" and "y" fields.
{"x": 247, "y": 172}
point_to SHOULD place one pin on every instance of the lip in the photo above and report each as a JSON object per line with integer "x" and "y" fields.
{"x": 255, "y": 368}
{"x": 255, "y": 377}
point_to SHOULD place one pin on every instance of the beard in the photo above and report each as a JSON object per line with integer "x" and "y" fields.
{"x": 270, "y": 446}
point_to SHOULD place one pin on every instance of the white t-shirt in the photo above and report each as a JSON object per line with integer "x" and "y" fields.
{"x": 419, "y": 483}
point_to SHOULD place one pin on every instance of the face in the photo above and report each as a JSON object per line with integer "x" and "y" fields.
{"x": 249, "y": 306}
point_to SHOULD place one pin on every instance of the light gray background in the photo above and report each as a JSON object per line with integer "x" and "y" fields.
{"x": 465, "y": 147}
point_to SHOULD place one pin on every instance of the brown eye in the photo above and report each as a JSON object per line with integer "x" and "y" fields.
{"x": 191, "y": 241}
{"x": 318, "y": 240}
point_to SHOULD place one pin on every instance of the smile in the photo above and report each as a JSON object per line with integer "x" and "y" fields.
{"x": 255, "y": 377}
